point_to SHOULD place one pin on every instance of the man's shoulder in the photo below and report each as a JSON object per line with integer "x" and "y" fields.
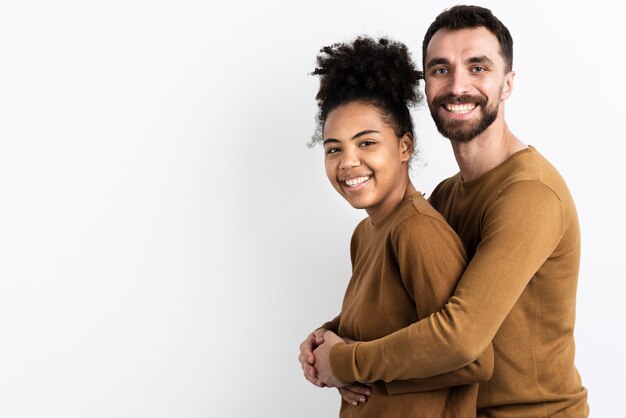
{"x": 522, "y": 168}
{"x": 533, "y": 167}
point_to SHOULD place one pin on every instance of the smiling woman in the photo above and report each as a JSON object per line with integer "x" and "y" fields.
{"x": 405, "y": 258}
{"x": 365, "y": 160}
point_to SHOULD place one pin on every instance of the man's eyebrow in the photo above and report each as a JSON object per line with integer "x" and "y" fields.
{"x": 366, "y": 132}
{"x": 483, "y": 59}
{"x": 437, "y": 61}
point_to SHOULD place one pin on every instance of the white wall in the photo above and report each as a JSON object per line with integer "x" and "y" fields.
{"x": 166, "y": 237}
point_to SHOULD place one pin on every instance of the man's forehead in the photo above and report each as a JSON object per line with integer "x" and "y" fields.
{"x": 466, "y": 42}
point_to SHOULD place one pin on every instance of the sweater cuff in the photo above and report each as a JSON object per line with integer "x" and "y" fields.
{"x": 342, "y": 357}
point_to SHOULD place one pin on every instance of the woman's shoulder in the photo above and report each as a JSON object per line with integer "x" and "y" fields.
{"x": 419, "y": 218}
{"x": 418, "y": 209}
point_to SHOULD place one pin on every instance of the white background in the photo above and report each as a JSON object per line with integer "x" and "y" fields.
{"x": 166, "y": 237}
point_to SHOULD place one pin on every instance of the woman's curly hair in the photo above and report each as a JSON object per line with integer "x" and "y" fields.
{"x": 377, "y": 71}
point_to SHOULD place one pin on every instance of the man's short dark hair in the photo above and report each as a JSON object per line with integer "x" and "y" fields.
{"x": 470, "y": 17}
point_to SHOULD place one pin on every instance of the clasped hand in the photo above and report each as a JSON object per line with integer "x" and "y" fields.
{"x": 315, "y": 357}
{"x": 322, "y": 342}
{"x": 322, "y": 359}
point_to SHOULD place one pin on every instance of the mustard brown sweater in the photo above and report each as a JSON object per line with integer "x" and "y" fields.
{"x": 520, "y": 228}
{"x": 403, "y": 269}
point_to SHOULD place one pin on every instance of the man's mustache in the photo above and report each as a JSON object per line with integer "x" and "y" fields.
{"x": 464, "y": 98}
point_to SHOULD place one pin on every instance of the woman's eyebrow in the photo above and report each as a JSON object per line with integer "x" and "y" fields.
{"x": 367, "y": 131}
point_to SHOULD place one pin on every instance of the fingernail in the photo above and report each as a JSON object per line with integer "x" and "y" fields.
{"x": 368, "y": 393}
{"x": 361, "y": 399}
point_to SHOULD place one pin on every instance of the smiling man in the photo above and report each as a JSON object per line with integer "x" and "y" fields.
{"x": 519, "y": 225}
{"x": 517, "y": 220}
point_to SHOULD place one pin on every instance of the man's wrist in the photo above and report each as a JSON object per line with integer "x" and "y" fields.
{"x": 341, "y": 359}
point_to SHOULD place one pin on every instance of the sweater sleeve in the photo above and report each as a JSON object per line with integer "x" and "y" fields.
{"x": 480, "y": 370}
{"x": 520, "y": 231}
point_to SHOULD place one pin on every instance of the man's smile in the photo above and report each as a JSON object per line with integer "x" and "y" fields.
{"x": 460, "y": 109}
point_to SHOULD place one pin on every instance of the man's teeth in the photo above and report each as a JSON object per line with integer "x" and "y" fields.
{"x": 356, "y": 181}
{"x": 461, "y": 108}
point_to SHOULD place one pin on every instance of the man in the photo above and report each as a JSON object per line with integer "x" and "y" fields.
{"x": 519, "y": 225}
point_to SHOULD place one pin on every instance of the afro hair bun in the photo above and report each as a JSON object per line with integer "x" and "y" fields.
{"x": 366, "y": 69}
{"x": 380, "y": 71}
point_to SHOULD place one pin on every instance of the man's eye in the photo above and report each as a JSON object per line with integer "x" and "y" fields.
{"x": 440, "y": 71}
{"x": 479, "y": 69}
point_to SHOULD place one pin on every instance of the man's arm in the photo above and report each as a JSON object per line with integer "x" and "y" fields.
{"x": 520, "y": 231}
{"x": 480, "y": 370}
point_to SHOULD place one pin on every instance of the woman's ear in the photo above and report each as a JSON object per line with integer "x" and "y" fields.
{"x": 406, "y": 146}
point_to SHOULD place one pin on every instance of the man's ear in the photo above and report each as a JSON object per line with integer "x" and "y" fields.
{"x": 507, "y": 89}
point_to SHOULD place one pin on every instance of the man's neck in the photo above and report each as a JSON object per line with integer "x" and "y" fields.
{"x": 486, "y": 151}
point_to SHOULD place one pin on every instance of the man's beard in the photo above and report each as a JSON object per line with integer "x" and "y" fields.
{"x": 456, "y": 130}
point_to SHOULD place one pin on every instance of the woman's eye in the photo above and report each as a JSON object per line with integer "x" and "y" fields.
{"x": 366, "y": 143}
{"x": 332, "y": 150}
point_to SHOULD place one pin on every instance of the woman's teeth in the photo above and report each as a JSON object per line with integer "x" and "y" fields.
{"x": 356, "y": 181}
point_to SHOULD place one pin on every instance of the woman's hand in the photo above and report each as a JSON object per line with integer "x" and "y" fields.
{"x": 322, "y": 359}
{"x": 355, "y": 393}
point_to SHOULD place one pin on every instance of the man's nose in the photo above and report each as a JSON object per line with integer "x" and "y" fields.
{"x": 460, "y": 83}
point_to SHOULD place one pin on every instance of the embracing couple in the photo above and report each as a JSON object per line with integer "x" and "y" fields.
{"x": 461, "y": 305}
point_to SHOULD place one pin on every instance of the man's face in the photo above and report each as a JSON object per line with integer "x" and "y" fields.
{"x": 465, "y": 82}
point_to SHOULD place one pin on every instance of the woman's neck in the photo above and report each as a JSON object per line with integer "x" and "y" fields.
{"x": 379, "y": 213}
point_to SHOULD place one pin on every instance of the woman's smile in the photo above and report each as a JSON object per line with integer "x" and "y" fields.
{"x": 356, "y": 183}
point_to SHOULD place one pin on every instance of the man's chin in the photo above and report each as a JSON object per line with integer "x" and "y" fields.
{"x": 457, "y": 134}
{"x": 463, "y": 131}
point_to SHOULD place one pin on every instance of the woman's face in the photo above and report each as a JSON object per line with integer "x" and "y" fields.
{"x": 365, "y": 160}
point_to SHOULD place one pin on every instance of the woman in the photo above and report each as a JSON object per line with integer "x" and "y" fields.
{"x": 405, "y": 258}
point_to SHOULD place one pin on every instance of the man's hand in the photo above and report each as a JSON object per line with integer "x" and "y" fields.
{"x": 307, "y": 358}
{"x": 355, "y": 393}
{"x": 322, "y": 359}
